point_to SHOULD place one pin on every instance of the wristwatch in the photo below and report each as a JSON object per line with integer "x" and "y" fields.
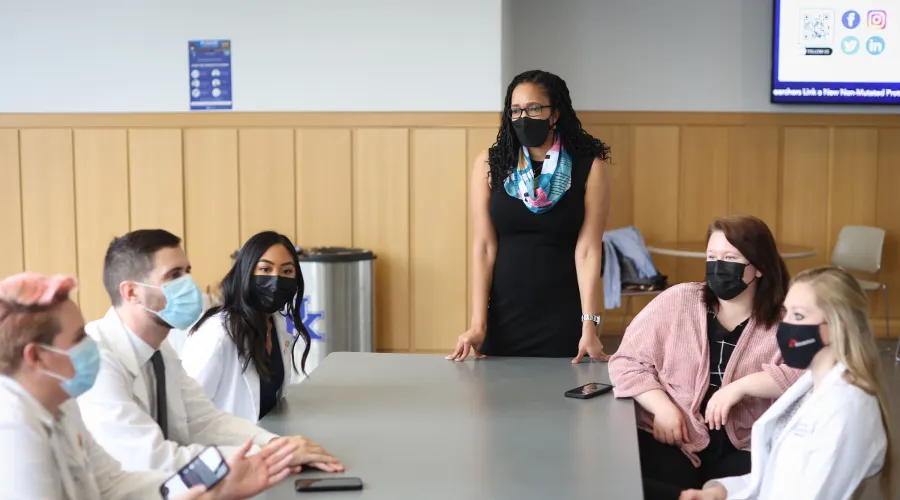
{"x": 590, "y": 317}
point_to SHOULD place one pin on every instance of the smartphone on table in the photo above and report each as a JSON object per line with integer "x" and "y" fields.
{"x": 588, "y": 391}
{"x": 207, "y": 468}
{"x": 313, "y": 485}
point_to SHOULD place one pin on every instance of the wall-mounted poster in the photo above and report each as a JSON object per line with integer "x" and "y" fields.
{"x": 209, "y": 66}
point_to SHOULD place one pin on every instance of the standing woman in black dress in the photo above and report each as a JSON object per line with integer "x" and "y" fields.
{"x": 539, "y": 202}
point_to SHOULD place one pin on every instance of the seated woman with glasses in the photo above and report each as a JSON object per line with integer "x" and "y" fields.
{"x": 692, "y": 358}
{"x": 539, "y": 201}
{"x": 829, "y": 431}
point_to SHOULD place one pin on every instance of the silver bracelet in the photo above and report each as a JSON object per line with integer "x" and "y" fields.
{"x": 592, "y": 318}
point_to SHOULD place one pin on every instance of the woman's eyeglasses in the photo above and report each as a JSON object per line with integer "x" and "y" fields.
{"x": 531, "y": 111}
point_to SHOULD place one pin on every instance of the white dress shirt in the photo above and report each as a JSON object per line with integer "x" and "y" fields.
{"x": 118, "y": 409}
{"x": 142, "y": 353}
{"x": 49, "y": 458}
{"x": 834, "y": 441}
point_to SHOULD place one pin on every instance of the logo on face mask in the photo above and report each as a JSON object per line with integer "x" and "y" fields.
{"x": 795, "y": 343}
{"x": 798, "y": 344}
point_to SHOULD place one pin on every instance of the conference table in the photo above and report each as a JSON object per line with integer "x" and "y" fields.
{"x": 417, "y": 427}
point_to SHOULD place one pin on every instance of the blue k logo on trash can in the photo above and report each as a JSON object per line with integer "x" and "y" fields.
{"x": 308, "y": 318}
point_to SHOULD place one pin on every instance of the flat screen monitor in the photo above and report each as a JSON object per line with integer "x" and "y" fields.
{"x": 836, "y": 51}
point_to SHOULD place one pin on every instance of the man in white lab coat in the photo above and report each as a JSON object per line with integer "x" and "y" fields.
{"x": 144, "y": 409}
{"x": 46, "y": 360}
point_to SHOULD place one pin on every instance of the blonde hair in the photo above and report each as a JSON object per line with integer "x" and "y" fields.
{"x": 846, "y": 310}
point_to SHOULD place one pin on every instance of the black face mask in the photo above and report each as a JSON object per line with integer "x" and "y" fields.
{"x": 532, "y": 132}
{"x": 271, "y": 293}
{"x": 725, "y": 279}
{"x": 799, "y": 344}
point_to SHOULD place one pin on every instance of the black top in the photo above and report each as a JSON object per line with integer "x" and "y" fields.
{"x": 721, "y": 346}
{"x": 269, "y": 389}
{"x": 534, "y": 307}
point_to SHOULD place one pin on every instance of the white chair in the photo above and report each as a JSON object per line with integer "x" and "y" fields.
{"x": 859, "y": 248}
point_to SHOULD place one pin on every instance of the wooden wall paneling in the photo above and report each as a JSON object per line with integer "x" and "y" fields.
{"x": 854, "y": 180}
{"x": 805, "y": 175}
{"x": 621, "y": 190}
{"x": 101, "y": 208}
{"x": 212, "y": 214}
{"x": 754, "y": 172}
{"x": 619, "y": 171}
{"x": 413, "y": 119}
{"x": 324, "y": 203}
{"x": 804, "y": 193}
{"x": 655, "y": 166}
{"x": 156, "y": 179}
{"x": 703, "y": 190}
{"x": 887, "y": 217}
{"x": 266, "y": 180}
{"x": 48, "y": 201}
{"x": 477, "y": 140}
{"x": 11, "y": 258}
{"x": 437, "y": 250}
{"x": 381, "y": 223}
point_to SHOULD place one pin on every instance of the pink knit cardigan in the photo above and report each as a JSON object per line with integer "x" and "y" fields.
{"x": 666, "y": 347}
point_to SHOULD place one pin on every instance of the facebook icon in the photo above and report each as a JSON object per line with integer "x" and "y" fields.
{"x": 875, "y": 45}
{"x": 850, "y": 19}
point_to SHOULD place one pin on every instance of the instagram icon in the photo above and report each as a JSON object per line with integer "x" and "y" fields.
{"x": 877, "y": 19}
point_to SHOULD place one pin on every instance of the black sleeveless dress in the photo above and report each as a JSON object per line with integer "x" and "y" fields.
{"x": 534, "y": 306}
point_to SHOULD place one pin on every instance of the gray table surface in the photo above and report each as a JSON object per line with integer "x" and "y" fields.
{"x": 418, "y": 427}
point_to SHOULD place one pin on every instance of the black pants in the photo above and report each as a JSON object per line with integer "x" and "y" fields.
{"x": 667, "y": 471}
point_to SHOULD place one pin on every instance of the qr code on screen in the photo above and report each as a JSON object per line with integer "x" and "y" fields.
{"x": 816, "y": 27}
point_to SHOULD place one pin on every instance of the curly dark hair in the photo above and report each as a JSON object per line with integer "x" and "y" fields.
{"x": 504, "y": 154}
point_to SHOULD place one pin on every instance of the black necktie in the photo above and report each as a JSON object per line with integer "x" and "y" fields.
{"x": 159, "y": 371}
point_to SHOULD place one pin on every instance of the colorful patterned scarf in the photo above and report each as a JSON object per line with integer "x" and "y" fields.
{"x": 551, "y": 185}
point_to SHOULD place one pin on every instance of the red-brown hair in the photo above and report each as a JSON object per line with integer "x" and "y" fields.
{"x": 752, "y": 237}
{"x": 28, "y": 304}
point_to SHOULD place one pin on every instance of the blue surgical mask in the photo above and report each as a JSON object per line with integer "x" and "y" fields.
{"x": 85, "y": 358}
{"x": 184, "y": 302}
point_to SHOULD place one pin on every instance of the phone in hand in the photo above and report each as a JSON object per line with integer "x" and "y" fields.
{"x": 588, "y": 391}
{"x": 312, "y": 485}
{"x": 207, "y": 468}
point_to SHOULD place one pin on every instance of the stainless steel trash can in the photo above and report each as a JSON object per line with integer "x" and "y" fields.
{"x": 338, "y": 302}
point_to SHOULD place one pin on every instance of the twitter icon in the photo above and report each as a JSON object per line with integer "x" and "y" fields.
{"x": 850, "y": 45}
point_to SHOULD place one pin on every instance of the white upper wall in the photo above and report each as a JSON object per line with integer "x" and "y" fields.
{"x": 62, "y": 56}
{"x": 656, "y": 55}
{"x": 507, "y": 40}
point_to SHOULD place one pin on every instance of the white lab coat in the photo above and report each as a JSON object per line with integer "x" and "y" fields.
{"x": 210, "y": 356}
{"x": 834, "y": 441}
{"x": 117, "y": 413}
{"x": 49, "y": 458}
